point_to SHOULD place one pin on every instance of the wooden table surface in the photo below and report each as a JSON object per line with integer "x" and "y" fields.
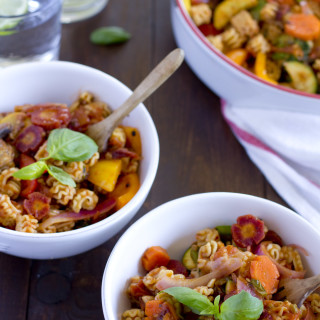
{"x": 198, "y": 153}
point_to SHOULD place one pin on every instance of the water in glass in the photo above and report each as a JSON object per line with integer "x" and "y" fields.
{"x": 34, "y": 35}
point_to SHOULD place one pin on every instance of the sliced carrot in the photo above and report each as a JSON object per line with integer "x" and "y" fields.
{"x": 303, "y": 26}
{"x": 239, "y": 56}
{"x": 155, "y": 257}
{"x": 266, "y": 272}
{"x": 159, "y": 309}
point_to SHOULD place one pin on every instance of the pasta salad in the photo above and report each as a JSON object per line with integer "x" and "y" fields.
{"x": 228, "y": 272}
{"x": 52, "y": 177}
{"x": 277, "y": 40}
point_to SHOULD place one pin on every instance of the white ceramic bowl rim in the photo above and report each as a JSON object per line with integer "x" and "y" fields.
{"x": 199, "y": 34}
{"x": 132, "y": 203}
{"x": 106, "y": 303}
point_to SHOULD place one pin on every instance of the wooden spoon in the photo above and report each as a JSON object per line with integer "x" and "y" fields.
{"x": 101, "y": 131}
{"x": 297, "y": 290}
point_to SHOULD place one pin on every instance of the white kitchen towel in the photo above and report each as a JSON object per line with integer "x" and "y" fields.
{"x": 285, "y": 146}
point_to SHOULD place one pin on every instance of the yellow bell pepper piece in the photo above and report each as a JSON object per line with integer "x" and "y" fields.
{"x": 125, "y": 189}
{"x": 133, "y": 139}
{"x": 239, "y": 56}
{"x": 187, "y": 4}
{"x": 105, "y": 173}
{"x": 260, "y": 68}
{"x": 226, "y": 9}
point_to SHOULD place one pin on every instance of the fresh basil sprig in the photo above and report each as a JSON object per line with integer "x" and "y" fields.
{"x": 32, "y": 171}
{"x": 68, "y": 145}
{"x": 35, "y": 170}
{"x": 109, "y": 35}
{"x": 63, "y": 144}
{"x": 242, "y": 306}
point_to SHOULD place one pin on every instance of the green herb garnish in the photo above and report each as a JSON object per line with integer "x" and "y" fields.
{"x": 68, "y": 145}
{"x": 109, "y": 35}
{"x": 63, "y": 144}
{"x": 258, "y": 286}
{"x": 242, "y": 306}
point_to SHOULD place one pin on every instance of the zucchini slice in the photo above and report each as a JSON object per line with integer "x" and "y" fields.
{"x": 302, "y": 76}
{"x": 189, "y": 259}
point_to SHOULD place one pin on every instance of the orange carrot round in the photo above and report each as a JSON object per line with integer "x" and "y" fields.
{"x": 155, "y": 257}
{"x": 303, "y": 26}
{"x": 159, "y": 309}
{"x": 266, "y": 272}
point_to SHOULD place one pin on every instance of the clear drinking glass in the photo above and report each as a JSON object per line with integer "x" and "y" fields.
{"x": 34, "y": 35}
{"x": 76, "y": 10}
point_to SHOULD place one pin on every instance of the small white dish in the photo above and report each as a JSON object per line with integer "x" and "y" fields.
{"x": 40, "y": 82}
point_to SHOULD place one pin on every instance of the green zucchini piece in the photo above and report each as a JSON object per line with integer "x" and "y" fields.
{"x": 302, "y": 76}
{"x": 189, "y": 259}
{"x": 225, "y": 233}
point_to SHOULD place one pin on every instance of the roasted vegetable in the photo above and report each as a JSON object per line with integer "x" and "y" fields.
{"x": 158, "y": 309}
{"x": 6, "y": 154}
{"x": 27, "y": 186}
{"x": 37, "y": 204}
{"x": 154, "y": 257}
{"x": 189, "y": 259}
{"x": 302, "y": 76}
{"x": 303, "y": 26}
{"x": 105, "y": 173}
{"x": 177, "y": 267}
{"x": 50, "y": 116}
{"x": 239, "y": 56}
{"x": 247, "y": 231}
{"x": 226, "y": 9}
{"x": 260, "y": 67}
{"x": 266, "y": 272}
{"x": 12, "y": 123}
{"x": 30, "y": 139}
{"x": 133, "y": 139}
{"x": 101, "y": 209}
{"x": 126, "y": 188}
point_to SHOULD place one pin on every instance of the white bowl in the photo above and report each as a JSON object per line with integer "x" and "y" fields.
{"x": 173, "y": 226}
{"x": 62, "y": 82}
{"x": 231, "y": 82}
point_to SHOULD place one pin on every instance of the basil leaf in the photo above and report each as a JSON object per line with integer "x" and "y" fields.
{"x": 109, "y": 35}
{"x": 61, "y": 176}
{"x": 242, "y": 306}
{"x": 197, "y": 302}
{"x": 32, "y": 171}
{"x": 67, "y": 145}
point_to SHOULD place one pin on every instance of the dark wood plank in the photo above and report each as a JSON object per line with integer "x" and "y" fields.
{"x": 14, "y": 287}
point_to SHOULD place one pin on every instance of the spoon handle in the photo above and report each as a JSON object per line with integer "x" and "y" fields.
{"x": 101, "y": 131}
{"x": 152, "y": 82}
